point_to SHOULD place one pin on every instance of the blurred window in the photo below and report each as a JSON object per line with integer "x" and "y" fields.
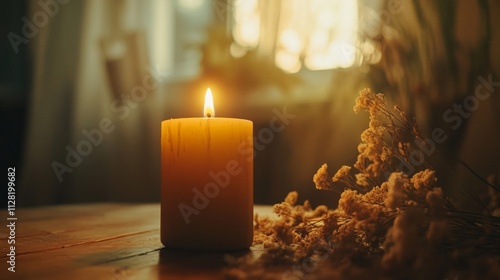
{"x": 316, "y": 34}
{"x": 179, "y": 31}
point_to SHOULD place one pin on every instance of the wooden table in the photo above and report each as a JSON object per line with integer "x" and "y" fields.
{"x": 101, "y": 241}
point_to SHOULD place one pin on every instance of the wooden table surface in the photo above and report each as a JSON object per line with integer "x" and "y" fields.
{"x": 102, "y": 241}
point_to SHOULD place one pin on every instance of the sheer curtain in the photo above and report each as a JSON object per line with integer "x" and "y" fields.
{"x": 92, "y": 132}
{"x": 317, "y": 34}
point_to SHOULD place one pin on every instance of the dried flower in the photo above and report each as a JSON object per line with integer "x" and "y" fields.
{"x": 396, "y": 190}
{"x": 424, "y": 180}
{"x": 403, "y": 221}
{"x": 322, "y": 179}
{"x": 291, "y": 198}
{"x": 401, "y": 245}
{"x": 341, "y": 174}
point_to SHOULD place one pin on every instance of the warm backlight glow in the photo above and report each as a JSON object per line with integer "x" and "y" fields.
{"x": 209, "y": 111}
{"x": 317, "y": 34}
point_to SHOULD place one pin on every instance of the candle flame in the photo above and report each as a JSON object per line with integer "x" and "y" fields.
{"x": 209, "y": 111}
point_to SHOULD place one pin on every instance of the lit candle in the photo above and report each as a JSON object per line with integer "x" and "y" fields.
{"x": 207, "y": 182}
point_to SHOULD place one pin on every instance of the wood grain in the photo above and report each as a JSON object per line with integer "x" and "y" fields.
{"x": 103, "y": 241}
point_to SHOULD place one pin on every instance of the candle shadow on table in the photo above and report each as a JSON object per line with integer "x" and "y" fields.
{"x": 191, "y": 263}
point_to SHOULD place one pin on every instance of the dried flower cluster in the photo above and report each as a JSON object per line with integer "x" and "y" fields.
{"x": 392, "y": 216}
{"x": 298, "y": 234}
